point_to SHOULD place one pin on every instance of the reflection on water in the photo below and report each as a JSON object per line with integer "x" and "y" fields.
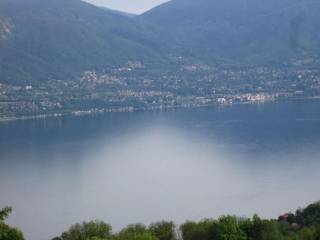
{"x": 143, "y": 167}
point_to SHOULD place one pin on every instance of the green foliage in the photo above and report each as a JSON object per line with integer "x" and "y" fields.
{"x": 4, "y": 213}
{"x": 309, "y": 216}
{"x": 317, "y": 233}
{"x": 135, "y": 232}
{"x": 7, "y": 232}
{"x": 233, "y": 228}
{"x": 93, "y": 230}
{"x": 163, "y": 230}
{"x": 197, "y": 231}
{"x": 210, "y": 29}
{"x": 253, "y": 228}
{"x": 61, "y": 39}
{"x": 306, "y": 234}
{"x": 258, "y": 229}
{"x": 271, "y": 231}
{"x": 227, "y": 228}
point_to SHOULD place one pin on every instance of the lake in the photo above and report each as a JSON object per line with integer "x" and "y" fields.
{"x": 146, "y": 166}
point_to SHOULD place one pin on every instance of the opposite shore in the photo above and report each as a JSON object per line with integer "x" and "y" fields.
{"x": 99, "y": 111}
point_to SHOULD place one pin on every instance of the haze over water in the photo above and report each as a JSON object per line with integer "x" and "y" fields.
{"x": 147, "y": 166}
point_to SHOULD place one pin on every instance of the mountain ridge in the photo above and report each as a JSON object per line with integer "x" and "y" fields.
{"x": 121, "y": 13}
{"x": 59, "y": 39}
{"x": 246, "y": 30}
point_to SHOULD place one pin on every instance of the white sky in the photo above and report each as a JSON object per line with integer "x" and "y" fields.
{"x": 130, "y": 6}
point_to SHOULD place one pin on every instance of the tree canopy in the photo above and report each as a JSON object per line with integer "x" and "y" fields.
{"x": 302, "y": 225}
{"x": 7, "y": 232}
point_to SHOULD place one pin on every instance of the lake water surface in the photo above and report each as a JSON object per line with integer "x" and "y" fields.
{"x": 147, "y": 166}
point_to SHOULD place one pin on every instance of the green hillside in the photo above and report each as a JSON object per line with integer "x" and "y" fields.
{"x": 60, "y": 39}
{"x": 43, "y": 40}
{"x": 241, "y": 31}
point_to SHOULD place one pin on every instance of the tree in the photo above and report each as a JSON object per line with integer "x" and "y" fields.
{"x": 317, "y": 234}
{"x": 93, "y": 230}
{"x": 135, "y": 232}
{"x": 309, "y": 216}
{"x": 163, "y": 230}
{"x": 252, "y": 228}
{"x": 7, "y": 232}
{"x": 4, "y": 213}
{"x": 271, "y": 230}
{"x": 197, "y": 231}
{"x": 227, "y": 228}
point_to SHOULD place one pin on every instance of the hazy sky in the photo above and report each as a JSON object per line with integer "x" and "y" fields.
{"x": 131, "y": 6}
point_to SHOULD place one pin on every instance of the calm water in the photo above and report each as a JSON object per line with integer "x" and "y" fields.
{"x": 141, "y": 167}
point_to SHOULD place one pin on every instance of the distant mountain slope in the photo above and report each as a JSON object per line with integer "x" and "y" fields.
{"x": 246, "y": 31}
{"x": 125, "y": 14}
{"x": 59, "y": 39}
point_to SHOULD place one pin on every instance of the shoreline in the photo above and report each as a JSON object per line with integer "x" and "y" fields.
{"x": 94, "y": 112}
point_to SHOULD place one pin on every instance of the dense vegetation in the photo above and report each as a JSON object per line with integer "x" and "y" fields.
{"x": 303, "y": 225}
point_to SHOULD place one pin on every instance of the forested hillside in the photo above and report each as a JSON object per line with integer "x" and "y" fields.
{"x": 241, "y": 32}
{"x": 59, "y": 39}
{"x": 41, "y": 40}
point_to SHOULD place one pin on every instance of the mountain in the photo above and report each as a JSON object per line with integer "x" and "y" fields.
{"x": 130, "y": 15}
{"x": 241, "y": 31}
{"x": 59, "y": 39}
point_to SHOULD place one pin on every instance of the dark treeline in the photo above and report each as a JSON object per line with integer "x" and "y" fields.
{"x": 304, "y": 224}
